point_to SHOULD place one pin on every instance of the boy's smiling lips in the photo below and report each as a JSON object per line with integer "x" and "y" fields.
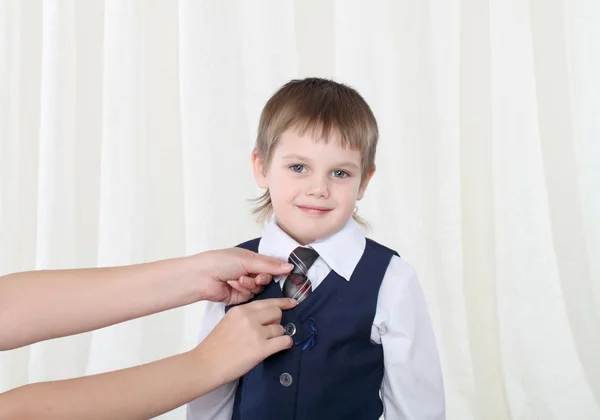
{"x": 315, "y": 210}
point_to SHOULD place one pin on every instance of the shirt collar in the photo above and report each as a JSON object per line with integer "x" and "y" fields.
{"x": 341, "y": 251}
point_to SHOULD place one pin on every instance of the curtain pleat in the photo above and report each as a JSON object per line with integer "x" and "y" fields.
{"x": 126, "y": 129}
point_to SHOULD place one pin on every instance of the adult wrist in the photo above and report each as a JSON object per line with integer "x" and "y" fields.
{"x": 208, "y": 372}
{"x": 197, "y": 276}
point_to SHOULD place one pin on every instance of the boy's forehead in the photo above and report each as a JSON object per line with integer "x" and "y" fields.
{"x": 294, "y": 145}
{"x": 294, "y": 138}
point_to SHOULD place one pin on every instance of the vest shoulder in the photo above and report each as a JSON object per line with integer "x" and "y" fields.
{"x": 376, "y": 246}
{"x": 251, "y": 244}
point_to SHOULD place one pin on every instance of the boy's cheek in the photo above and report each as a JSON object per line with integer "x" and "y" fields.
{"x": 281, "y": 182}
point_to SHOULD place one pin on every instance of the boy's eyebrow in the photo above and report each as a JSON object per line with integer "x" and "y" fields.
{"x": 351, "y": 164}
{"x": 295, "y": 156}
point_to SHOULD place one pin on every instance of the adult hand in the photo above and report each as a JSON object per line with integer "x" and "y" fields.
{"x": 233, "y": 275}
{"x": 246, "y": 336}
{"x": 75, "y": 301}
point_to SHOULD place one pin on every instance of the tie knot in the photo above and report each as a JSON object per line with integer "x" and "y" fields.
{"x": 303, "y": 259}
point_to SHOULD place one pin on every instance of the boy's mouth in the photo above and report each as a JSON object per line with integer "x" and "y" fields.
{"x": 314, "y": 210}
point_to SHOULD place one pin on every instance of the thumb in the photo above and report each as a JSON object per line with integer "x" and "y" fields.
{"x": 256, "y": 263}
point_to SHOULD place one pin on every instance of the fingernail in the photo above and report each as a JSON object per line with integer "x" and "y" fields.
{"x": 294, "y": 302}
{"x": 287, "y": 266}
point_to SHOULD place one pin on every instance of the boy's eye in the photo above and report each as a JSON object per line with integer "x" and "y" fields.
{"x": 297, "y": 168}
{"x": 340, "y": 174}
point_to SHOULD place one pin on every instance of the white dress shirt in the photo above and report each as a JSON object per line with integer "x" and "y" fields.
{"x": 412, "y": 386}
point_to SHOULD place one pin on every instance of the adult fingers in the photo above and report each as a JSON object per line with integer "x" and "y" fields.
{"x": 269, "y": 315}
{"x": 252, "y": 284}
{"x": 277, "y": 344}
{"x": 281, "y": 303}
{"x": 256, "y": 263}
{"x": 242, "y": 295}
{"x": 274, "y": 330}
{"x": 263, "y": 279}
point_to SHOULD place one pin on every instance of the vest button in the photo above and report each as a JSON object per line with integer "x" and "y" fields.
{"x": 285, "y": 379}
{"x": 290, "y": 329}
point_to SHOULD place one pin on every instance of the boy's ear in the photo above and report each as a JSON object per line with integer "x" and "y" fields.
{"x": 365, "y": 184}
{"x": 258, "y": 167}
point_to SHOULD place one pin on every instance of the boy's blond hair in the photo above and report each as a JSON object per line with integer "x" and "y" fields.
{"x": 324, "y": 108}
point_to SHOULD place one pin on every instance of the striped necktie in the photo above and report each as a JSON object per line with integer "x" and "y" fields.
{"x": 297, "y": 285}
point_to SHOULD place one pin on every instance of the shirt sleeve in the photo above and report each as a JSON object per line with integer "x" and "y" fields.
{"x": 217, "y": 404}
{"x": 412, "y": 386}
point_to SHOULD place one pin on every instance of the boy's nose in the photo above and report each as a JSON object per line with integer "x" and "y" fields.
{"x": 319, "y": 188}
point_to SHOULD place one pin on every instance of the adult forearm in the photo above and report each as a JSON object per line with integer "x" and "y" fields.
{"x": 39, "y": 305}
{"x": 140, "y": 392}
{"x": 244, "y": 337}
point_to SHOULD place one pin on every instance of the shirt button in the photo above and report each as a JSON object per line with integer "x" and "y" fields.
{"x": 290, "y": 329}
{"x": 285, "y": 379}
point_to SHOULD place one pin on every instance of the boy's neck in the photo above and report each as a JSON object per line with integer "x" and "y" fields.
{"x": 301, "y": 241}
{"x": 297, "y": 238}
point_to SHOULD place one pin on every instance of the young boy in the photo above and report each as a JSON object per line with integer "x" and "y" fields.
{"x": 361, "y": 326}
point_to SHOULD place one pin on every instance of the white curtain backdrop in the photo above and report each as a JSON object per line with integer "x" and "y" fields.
{"x": 126, "y": 129}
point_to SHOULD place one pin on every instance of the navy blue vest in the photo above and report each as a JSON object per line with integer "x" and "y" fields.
{"x": 334, "y": 371}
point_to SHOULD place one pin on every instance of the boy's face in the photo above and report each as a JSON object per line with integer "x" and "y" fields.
{"x": 314, "y": 185}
